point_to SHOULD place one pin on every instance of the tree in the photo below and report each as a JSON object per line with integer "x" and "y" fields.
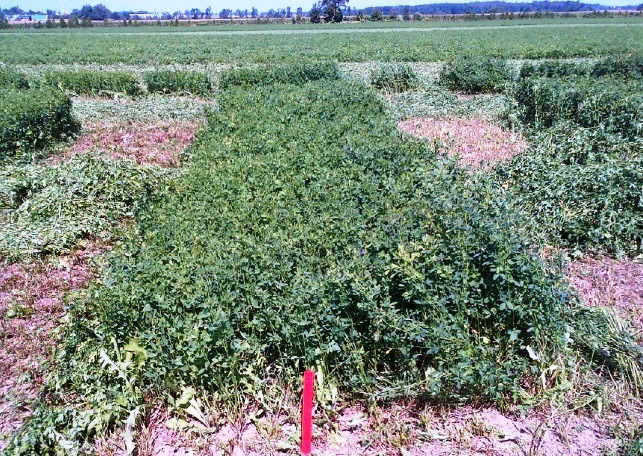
{"x": 98, "y": 12}
{"x": 14, "y": 10}
{"x": 333, "y": 10}
{"x": 62, "y": 23}
{"x": 407, "y": 14}
{"x": 73, "y": 21}
{"x": 4, "y": 23}
{"x": 376, "y": 15}
{"x": 315, "y": 14}
{"x": 254, "y": 13}
{"x": 640, "y": 7}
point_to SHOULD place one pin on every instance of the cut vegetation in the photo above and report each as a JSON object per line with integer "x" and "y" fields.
{"x": 473, "y": 142}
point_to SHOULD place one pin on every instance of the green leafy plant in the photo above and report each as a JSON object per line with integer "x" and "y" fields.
{"x": 178, "y": 82}
{"x": 581, "y": 188}
{"x": 33, "y": 119}
{"x": 94, "y": 82}
{"x": 626, "y": 66}
{"x": 10, "y": 78}
{"x": 614, "y": 105}
{"x": 306, "y": 232}
{"x": 297, "y": 73}
{"x": 553, "y": 68}
{"x": 394, "y": 77}
{"x": 158, "y": 47}
{"x": 471, "y": 74}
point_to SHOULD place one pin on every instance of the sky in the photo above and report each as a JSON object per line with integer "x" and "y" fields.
{"x": 218, "y": 5}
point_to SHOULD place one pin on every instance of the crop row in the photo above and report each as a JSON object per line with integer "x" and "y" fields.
{"x": 182, "y": 82}
{"x": 33, "y": 119}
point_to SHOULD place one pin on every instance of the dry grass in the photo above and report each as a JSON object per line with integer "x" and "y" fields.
{"x": 474, "y": 142}
{"x": 146, "y": 144}
{"x": 612, "y": 283}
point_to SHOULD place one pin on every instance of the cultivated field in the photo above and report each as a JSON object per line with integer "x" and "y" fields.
{"x": 529, "y": 39}
{"x": 442, "y": 220}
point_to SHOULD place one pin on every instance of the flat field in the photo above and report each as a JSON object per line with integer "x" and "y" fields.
{"x": 395, "y": 41}
{"x": 441, "y": 219}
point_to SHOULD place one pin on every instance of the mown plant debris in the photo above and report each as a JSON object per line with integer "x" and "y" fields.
{"x": 474, "y": 141}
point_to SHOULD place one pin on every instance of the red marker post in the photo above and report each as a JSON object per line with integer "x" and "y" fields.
{"x": 307, "y": 412}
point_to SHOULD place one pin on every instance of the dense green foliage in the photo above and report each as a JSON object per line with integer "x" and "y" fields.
{"x": 627, "y": 66}
{"x": 553, "y": 68}
{"x": 94, "y": 82}
{"x": 46, "y": 209}
{"x": 178, "y": 82}
{"x": 580, "y": 182}
{"x": 10, "y": 78}
{"x": 613, "y": 104}
{"x": 32, "y": 119}
{"x": 394, "y": 77}
{"x": 471, "y": 74}
{"x": 306, "y": 232}
{"x": 299, "y": 74}
{"x": 581, "y": 188}
{"x": 411, "y": 42}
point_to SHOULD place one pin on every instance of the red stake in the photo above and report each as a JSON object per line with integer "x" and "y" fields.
{"x": 307, "y": 412}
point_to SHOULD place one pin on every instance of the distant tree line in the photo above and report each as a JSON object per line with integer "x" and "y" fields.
{"x": 322, "y": 11}
{"x": 491, "y": 7}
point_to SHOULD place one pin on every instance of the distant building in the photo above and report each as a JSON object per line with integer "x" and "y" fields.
{"x": 145, "y": 16}
{"x": 27, "y": 18}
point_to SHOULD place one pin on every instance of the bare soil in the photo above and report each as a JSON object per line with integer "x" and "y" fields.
{"x": 394, "y": 430}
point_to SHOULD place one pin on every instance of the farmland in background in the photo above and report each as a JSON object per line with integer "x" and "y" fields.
{"x": 201, "y": 227}
{"x": 346, "y": 43}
